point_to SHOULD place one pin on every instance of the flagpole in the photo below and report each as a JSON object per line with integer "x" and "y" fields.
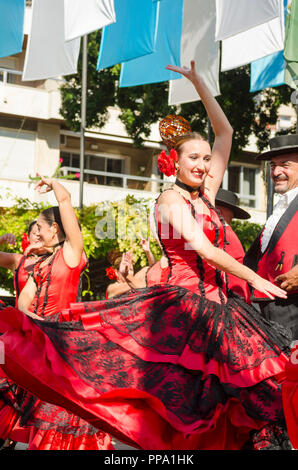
{"x": 83, "y": 116}
{"x": 209, "y": 131}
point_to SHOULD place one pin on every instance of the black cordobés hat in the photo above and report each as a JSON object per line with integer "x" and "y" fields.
{"x": 230, "y": 200}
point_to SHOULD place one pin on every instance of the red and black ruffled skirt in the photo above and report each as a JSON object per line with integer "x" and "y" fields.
{"x": 158, "y": 368}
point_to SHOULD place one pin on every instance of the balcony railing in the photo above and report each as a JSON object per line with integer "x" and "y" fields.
{"x": 8, "y": 76}
{"x": 120, "y": 180}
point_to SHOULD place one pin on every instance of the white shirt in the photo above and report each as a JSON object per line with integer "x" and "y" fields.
{"x": 278, "y": 210}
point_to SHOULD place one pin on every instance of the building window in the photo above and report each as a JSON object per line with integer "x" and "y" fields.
{"x": 283, "y": 123}
{"x": 96, "y": 165}
{"x": 234, "y": 179}
{"x": 242, "y": 180}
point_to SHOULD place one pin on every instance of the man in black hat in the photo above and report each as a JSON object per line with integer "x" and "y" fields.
{"x": 274, "y": 254}
{"x": 227, "y": 204}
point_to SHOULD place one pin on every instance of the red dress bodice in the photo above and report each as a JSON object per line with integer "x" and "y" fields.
{"x": 187, "y": 269}
{"x": 157, "y": 274}
{"x": 57, "y": 285}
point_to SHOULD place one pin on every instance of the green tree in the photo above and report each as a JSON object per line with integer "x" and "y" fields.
{"x": 143, "y": 105}
{"x": 246, "y": 232}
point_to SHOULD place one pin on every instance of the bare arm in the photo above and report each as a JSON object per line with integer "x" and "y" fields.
{"x": 173, "y": 210}
{"x": 138, "y": 281}
{"x": 9, "y": 260}
{"x": 73, "y": 246}
{"x": 117, "y": 288}
{"x": 221, "y": 127}
{"x": 146, "y": 247}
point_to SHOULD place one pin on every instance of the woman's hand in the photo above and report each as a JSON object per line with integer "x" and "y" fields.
{"x": 45, "y": 185}
{"x": 126, "y": 266}
{"x": 33, "y": 315}
{"x": 8, "y": 238}
{"x": 188, "y": 72}
{"x": 267, "y": 288}
{"x": 37, "y": 248}
{"x": 145, "y": 244}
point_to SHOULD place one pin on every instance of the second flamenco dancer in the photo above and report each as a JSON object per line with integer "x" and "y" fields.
{"x": 173, "y": 366}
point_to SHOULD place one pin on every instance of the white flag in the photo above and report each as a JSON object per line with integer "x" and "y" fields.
{"x": 254, "y": 43}
{"x": 198, "y": 43}
{"x": 84, "y": 16}
{"x": 236, "y": 16}
{"x": 47, "y": 54}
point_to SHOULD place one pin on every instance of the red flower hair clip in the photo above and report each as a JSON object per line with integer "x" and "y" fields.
{"x": 166, "y": 163}
{"x": 111, "y": 273}
{"x": 25, "y": 242}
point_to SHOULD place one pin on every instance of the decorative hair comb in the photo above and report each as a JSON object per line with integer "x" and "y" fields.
{"x": 171, "y": 127}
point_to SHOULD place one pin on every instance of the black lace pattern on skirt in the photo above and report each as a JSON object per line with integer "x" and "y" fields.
{"x": 166, "y": 319}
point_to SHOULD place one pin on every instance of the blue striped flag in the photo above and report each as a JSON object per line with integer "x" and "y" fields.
{"x": 133, "y": 35}
{"x": 151, "y": 68}
{"x": 11, "y": 26}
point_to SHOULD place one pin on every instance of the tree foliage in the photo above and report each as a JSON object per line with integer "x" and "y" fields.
{"x": 143, "y": 105}
{"x": 246, "y": 232}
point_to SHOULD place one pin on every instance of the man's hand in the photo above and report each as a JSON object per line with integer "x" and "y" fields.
{"x": 289, "y": 280}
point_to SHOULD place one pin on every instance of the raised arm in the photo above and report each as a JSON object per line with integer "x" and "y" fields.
{"x": 146, "y": 247}
{"x": 73, "y": 246}
{"x": 173, "y": 210}
{"x": 222, "y": 129}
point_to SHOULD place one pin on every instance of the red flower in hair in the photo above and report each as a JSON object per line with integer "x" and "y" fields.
{"x": 111, "y": 273}
{"x": 25, "y": 242}
{"x": 166, "y": 162}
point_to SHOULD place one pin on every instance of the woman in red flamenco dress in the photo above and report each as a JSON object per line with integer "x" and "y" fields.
{"x": 52, "y": 285}
{"x": 172, "y": 366}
